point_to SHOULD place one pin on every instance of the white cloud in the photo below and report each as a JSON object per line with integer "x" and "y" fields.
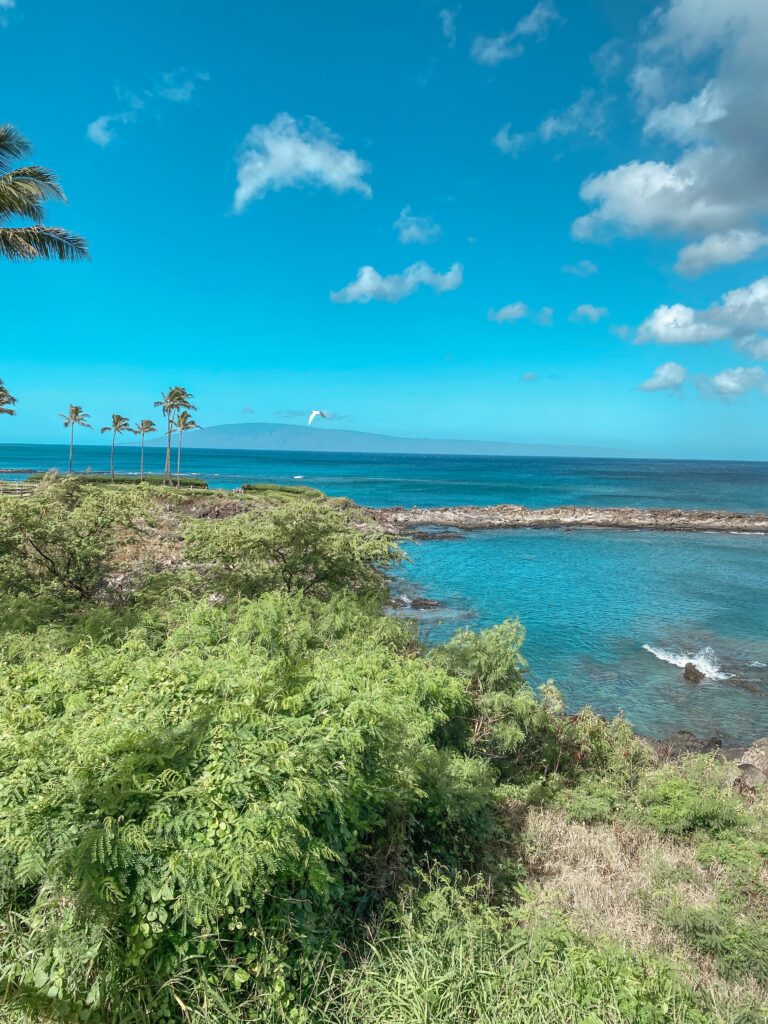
{"x": 677, "y": 325}
{"x": 491, "y": 51}
{"x": 581, "y": 269}
{"x": 173, "y": 87}
{"x": 648, "y": 85}
{"x": 369, "y": 284}
{"x": 588, "y": 312}
{"x": 101, "y": 131}
{"x": 739, "y": 315}
{"x": 621, "y": 331}
{"x": 537, "y": 22}
{"x": 689, "y": 122}
{"x": 507, "y": 142}
{"x": 179, "y": 89}
{"x": 730, "y": 384}
{"x": 656, "y": 197}
{"x": 719, "y": 180}
{"x": 519, "y": 311}
{"x": 754, "y": 345}
{"x": 607, "y": 60}
{"x": 586, "y": 115}
{"x": 448, "y": 21}
{"x": 494, "y": 51}
{"x": 416, "y": 229}
{"x": 718, "y": 250}
{"x": 668, "y": 376}
{"x": 528, "y": 377}
{"x": 284, "y": 154}
{"x": 584, "y": 268}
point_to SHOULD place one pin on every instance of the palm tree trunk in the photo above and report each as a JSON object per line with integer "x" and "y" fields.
{"x": 141, "y": 471}
{"x": 112, "y": 457}
{"x": 178, "y": 461}
{"x": 167, "y": 477}
{"x": 71, "y": 445}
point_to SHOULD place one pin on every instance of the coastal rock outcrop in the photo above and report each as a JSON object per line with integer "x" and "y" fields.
{"x": 691, "y": 674}
{"x": 751, "y": 763}
{"x": 754, "y": 764}
{"x": 404, "y": 521}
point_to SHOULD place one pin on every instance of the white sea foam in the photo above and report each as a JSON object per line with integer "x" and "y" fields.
{"x": 705, "y": 660}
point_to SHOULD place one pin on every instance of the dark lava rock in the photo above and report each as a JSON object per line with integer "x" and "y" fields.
{"x": 683, "y": 743}
{"x": 692, "y": 674}
{"x": 417, "y": 604}
{"x": 435, "y": 535}
{"x": 754, "y": 764}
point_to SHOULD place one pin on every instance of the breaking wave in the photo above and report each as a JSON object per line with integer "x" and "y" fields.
{"x": 705, "y": 660}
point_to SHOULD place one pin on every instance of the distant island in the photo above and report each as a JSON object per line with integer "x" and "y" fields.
{"x": 293, "y": 438}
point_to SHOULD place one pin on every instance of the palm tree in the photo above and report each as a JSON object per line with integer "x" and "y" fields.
{"x": 119, "y": 425}
{"x": 173, "y": 401}
{"x": 7, "y": 401}
{"x": 23, "y": 191}
{"x": 74, "y": 418}
{"x": 183, "y": 422}
{"x": 143, "y": 428}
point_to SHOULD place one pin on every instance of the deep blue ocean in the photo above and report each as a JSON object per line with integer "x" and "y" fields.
{"x": 611, "y": 616}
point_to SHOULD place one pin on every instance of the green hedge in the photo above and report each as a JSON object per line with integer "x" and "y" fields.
{"x": 280, "y": 489}
{"x": 155, "y": 480}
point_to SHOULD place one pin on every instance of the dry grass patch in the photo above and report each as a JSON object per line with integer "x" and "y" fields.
{"x": 604, "y": 877}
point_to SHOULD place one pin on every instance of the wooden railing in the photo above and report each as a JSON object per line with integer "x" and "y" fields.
{"x": 16, "y": 488}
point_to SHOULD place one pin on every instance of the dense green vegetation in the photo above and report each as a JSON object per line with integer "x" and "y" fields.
{"x": 148, "y": 478}
{"x": 233, "y": 789}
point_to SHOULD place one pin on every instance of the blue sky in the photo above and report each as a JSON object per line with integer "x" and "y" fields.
{"x": 236, "y": 168}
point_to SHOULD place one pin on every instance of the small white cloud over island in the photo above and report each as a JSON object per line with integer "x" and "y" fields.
{"x": 287, "y": 154}
{"x": 370, "y": 284}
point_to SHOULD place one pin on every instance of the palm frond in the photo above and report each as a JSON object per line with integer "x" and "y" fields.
{"x": 24, "y": 190}
{"x": 13, "y": 146}
{"x": 42, "y": 242}
{"x": 6, "y": 401}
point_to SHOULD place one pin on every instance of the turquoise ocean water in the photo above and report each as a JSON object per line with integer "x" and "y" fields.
{"x": 611, "y": 616}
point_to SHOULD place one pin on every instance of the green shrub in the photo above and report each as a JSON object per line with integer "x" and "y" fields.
{"x": 63, "y": 538}
{"x": 689, "y": 796}
{"x": 162, "y": 805}
{"x": 738, "y": 944}
{"x": 299, "y": 546}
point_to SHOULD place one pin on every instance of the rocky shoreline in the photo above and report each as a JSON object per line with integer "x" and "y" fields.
{"x": 403, "y": 521}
